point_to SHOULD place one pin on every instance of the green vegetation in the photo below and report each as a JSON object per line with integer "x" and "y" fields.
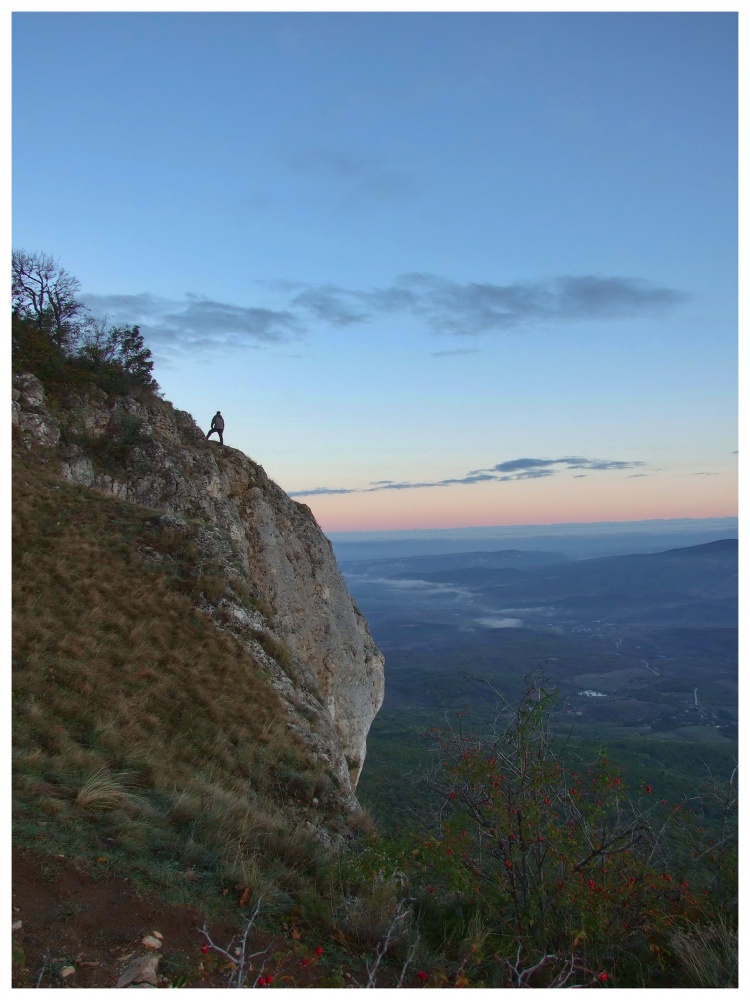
{"x": 568, "y": 875}
{"x": 56, "y": 339}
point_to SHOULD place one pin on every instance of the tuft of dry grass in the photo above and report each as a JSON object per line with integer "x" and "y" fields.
{"x": 708, "y": 955}
{"x": 104, "y": 790}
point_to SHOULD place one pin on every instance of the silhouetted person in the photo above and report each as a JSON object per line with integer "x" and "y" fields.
{"x": 217, "y": 427}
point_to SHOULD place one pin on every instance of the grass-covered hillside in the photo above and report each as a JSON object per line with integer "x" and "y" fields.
{"x": 152, "y": 755}
{"x": 139, "y": 726}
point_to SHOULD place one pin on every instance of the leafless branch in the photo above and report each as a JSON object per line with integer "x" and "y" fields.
{"x": 402, "y": 912}
{"x": 240, "y": 959}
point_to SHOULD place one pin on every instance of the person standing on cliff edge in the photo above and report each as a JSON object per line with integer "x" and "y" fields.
{"x": 217, "y": 427}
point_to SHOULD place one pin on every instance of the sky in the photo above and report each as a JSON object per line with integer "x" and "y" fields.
{"x": 437, "y": 270}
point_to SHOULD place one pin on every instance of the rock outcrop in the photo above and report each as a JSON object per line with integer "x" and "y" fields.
{"x": 300, "y": 619}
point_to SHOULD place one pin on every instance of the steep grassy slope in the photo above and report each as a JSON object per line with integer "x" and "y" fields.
{"x": 141, "y": 730}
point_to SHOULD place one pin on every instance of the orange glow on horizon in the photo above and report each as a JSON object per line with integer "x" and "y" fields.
{"x": 576, "y": 501}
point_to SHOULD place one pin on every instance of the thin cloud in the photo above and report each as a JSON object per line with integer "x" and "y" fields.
{"x": 451, "y": 354}
{"x": 196, "y": 322}
{"x": 472, "y": 308}
{"x": 503, "y": 472}
{"x": 528, "y": 474}
{"x": 533, "y": 467}
{"x": 444, "y": 306}
{"x": 326, "y": 303}
{"x": 323, "y": 491}
{"x": 519, "y": 464}
{"x": 327, "y": 162}
{"x": 387, "y": 185}
{"x": 359, "y": 175}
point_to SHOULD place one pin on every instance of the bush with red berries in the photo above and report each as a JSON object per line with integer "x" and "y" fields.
{"x": 551, "y": 860}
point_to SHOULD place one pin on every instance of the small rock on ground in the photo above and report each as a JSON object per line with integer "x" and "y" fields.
{"x": 140, "y": 972}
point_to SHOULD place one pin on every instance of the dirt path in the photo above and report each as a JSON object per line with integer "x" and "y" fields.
{"x": 78, "y": 928}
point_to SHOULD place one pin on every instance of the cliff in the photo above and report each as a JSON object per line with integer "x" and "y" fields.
{"x": 285, "y": 599}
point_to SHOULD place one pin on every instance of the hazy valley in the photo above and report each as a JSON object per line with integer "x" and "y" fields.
{"x": 642, "y": 648}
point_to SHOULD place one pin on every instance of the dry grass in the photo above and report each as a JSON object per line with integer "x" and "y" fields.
{"x": 708, "y": 955}
{"x": 104, "y": 790}
{"x": 119, "y": 682}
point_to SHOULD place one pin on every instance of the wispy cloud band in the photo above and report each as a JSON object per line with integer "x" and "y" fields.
{"x": 444, "y": 306}
{"x": 481, "y": 307}
{"x": 197, "y": 322}
{"x": 503, "y": 472}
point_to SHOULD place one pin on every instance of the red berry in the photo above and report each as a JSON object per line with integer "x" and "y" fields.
{"x": 205, "y": 949}
{"x": 319, "y": 950}
{"x": 422, "y": 976}
{"x": 603, "y": 977}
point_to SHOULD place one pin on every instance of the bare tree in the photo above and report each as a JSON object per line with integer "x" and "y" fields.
{"x": 45, "y": 292}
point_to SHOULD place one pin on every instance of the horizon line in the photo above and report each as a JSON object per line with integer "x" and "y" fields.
{"x": 663, "y": 521}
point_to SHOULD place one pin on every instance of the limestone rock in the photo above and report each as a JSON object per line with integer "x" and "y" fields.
{"x": 36, "y": 425}
{"x": 303, "y": 624}
{"x": 141, "y": 971}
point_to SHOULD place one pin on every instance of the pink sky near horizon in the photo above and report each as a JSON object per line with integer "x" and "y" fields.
{"x": 540, "y": 501}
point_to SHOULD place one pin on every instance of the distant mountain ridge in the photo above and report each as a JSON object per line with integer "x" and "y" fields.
{"x": 693, "y": 583}
{"x": 721, "y": 546}
{"x": 579, "y": 541}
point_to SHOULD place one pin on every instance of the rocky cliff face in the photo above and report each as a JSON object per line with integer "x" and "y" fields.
{"x": 289, "y": 603}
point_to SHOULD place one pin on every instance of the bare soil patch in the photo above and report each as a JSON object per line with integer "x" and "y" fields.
{"x": 74, "y": 917}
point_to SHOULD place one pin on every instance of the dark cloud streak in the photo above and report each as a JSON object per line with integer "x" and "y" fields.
{"x": 479, "y": 307}
{"x": 445, "y": 306}
{"x": 197, "y": 323}
{"x": 503, "y": 472}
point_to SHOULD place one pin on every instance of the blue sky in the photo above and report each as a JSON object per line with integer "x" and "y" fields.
{"x": 436, "y": 270}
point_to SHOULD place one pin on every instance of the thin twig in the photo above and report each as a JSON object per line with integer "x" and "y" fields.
{"x": 383, "y": 946}
{"x": 47, "y": 958}
{"x": 407, "y": 963}
{"x": 238, "y": 961}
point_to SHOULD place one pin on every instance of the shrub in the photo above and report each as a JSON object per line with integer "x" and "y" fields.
{"x": 557, "y": 862}
{"x": 56, "y": 338}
